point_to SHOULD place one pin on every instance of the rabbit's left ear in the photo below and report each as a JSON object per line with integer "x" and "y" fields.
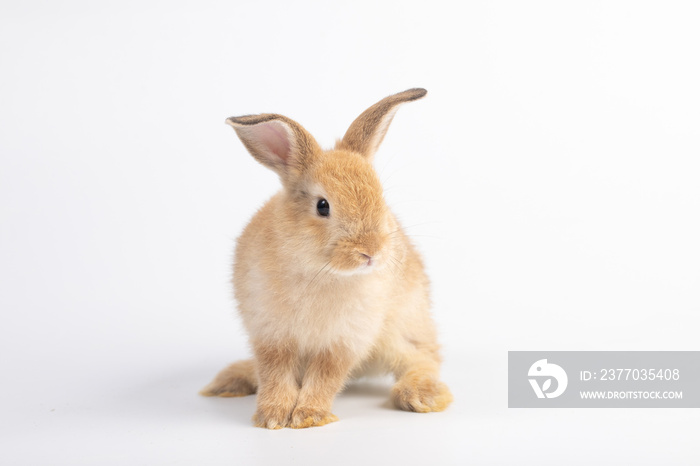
{"x": 368, "y": 130}
{"x": 278, "y": 142}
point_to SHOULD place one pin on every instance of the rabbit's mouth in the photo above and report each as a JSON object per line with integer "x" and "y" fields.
{"x": 361, "y": 270}
{"x": 357, "y": 263}
{"x": 368, "y": 264}
{"x": 353, "y": 256}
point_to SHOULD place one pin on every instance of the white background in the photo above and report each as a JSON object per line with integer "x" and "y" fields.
{"x": 550, "y": 178}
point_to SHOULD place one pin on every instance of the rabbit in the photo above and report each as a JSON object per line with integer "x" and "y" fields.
{"x": 328, "y": 285}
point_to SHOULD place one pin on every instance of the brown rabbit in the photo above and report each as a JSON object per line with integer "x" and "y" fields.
{"x": 328, "y": 285}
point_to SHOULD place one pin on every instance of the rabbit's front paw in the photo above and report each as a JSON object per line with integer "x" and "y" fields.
{"x": 310, "y": 417}
{"x": 272, "y": 416}
{"x": 421, "y": 394}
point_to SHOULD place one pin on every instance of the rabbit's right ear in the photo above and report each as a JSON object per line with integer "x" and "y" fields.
{"x": 276, "y": 141}
{"x": 367, "y": 131}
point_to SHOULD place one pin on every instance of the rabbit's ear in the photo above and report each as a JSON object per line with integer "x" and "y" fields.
{"x": 276, "y": 141}
{"x": 368, "y": 130}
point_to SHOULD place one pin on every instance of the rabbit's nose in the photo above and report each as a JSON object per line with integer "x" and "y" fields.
{"x": 368, "y": 257}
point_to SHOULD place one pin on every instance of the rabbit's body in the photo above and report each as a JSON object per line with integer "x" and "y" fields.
{"x": 317, "y": 309}
{"x": 327, "y": 283}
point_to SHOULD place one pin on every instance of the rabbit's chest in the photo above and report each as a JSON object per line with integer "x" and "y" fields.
{"x": 348, "y": 313}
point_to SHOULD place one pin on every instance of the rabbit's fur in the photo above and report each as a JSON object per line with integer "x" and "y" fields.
{"x": 327, "y": 298}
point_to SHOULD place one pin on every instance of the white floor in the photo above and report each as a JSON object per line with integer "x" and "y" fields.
{"x": 146, "y": 412}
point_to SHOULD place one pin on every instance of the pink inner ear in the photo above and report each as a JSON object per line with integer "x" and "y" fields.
{"x": 273, "y": 136}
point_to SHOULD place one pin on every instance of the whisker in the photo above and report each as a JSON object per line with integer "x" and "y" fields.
{"x": 384, "y": 180}
{"x": 410, "y": 226}
{"x": 424, "y": 236}
{"x": 392, "y": 267}
{"x": 317, "y": 274}
{"x": 397, "y": 264}
{"x": 405, "y": 227}
{"x": 396, "y": 259}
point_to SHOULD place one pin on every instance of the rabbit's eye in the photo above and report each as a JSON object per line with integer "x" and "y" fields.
{"x": 323, "y": 208}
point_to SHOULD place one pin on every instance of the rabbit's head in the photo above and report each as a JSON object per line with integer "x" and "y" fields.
{"x": 332, "y": 215}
